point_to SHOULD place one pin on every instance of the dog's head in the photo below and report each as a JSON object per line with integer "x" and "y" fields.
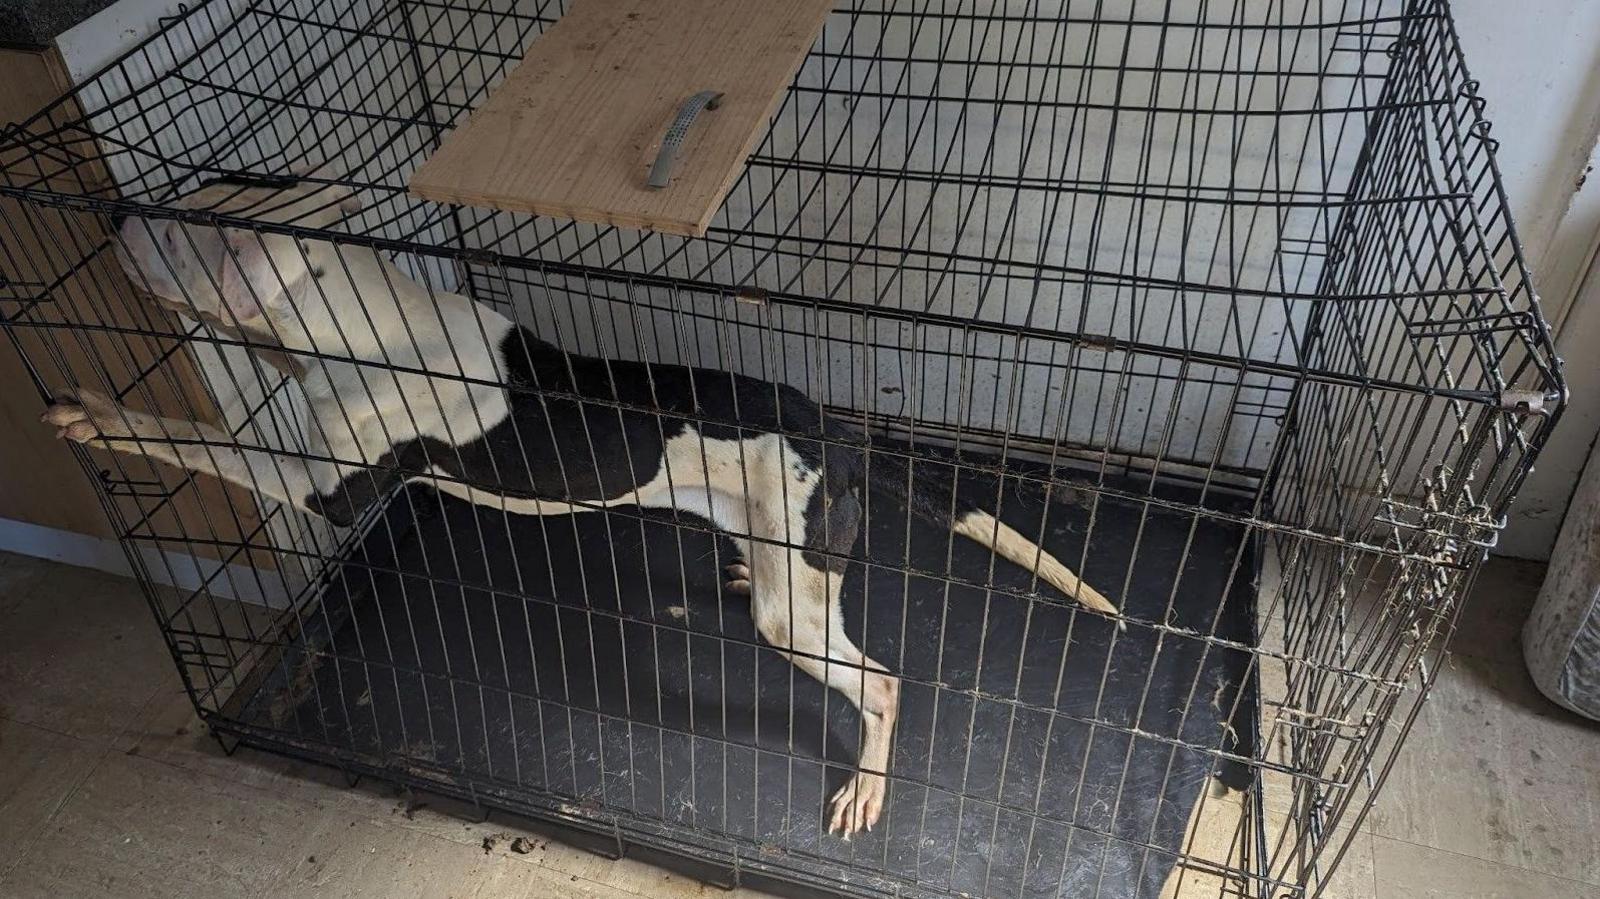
{"x": 233, "y": 276}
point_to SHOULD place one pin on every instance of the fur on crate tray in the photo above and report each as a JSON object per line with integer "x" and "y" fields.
{"x": 596, "y": 658}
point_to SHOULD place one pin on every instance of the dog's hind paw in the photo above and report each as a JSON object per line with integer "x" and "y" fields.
{"x": 858, "y": 804}
{"x": 738, "y": 577}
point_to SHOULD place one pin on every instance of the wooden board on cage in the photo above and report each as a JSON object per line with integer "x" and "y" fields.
{"x": 622, "y": 94}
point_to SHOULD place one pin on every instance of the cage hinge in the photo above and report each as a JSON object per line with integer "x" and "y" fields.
{"x": 753, "y": 296}
{"x": 1523, "y": 402}
{"x": 1102, "y": 342}
{"x": 170, "y": 20}
{"x": 1399, "y": 46}
{"x": 1480, "y": 130}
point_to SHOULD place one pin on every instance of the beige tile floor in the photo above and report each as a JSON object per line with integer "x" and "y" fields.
{"x": 109, "y": 786}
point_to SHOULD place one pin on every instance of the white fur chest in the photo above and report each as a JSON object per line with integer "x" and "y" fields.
{"x": 443, "y": 384}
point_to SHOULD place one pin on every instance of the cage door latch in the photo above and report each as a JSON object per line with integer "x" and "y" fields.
{"x": 661, "y": 171}
{"x": 1526, "y": 402}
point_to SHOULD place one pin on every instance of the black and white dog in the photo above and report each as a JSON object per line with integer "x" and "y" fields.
{"x": 405, "y": 383}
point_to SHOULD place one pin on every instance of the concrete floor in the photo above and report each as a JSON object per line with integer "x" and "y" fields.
{"x": 110, "y": 787}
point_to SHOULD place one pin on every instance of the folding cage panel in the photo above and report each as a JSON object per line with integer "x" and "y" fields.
{"x": 1213, "y": 305}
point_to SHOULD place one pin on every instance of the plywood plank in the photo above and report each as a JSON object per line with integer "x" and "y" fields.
{"x": 573, "y": 131}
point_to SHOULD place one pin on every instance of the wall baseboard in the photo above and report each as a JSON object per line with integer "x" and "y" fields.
{"x": 178, "y": 570}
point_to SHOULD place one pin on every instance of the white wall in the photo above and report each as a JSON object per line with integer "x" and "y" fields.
{"x": 91, "y": 44}
{"x": 1540, "y": 67}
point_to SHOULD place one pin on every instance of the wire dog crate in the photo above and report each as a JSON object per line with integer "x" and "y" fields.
{"x": 1218, "y": 303}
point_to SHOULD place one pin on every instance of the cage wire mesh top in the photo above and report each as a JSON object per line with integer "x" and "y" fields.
{"x": 1238, "y": 277}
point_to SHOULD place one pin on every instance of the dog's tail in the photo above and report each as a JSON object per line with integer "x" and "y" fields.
{"x": 893, "y": 473}
{"x": 981, "y": 527}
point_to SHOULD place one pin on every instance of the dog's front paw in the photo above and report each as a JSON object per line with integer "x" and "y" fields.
{"x": 858, "y": 804}
{"x": 738, "y": 577}
{"x": 82, "y": 415}
{"x": 72, "y": 421}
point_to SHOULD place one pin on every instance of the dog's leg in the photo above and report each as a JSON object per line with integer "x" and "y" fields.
{"x": 763, "y": 489}
{"x": 860, "y": 801}
{"x": 84, "y": 416}
{"x": 795, "y": 601}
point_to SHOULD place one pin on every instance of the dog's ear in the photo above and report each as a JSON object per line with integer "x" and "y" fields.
{"x": 252, "y": 279}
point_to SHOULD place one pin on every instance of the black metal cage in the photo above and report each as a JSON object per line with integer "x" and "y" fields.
{"x": 1218, "y": 302}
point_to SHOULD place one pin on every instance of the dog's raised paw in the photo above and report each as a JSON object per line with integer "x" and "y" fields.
{"x": 738, "y": 577}
{"x": 71, "y": 421}
{"x": 82, "y": 415}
